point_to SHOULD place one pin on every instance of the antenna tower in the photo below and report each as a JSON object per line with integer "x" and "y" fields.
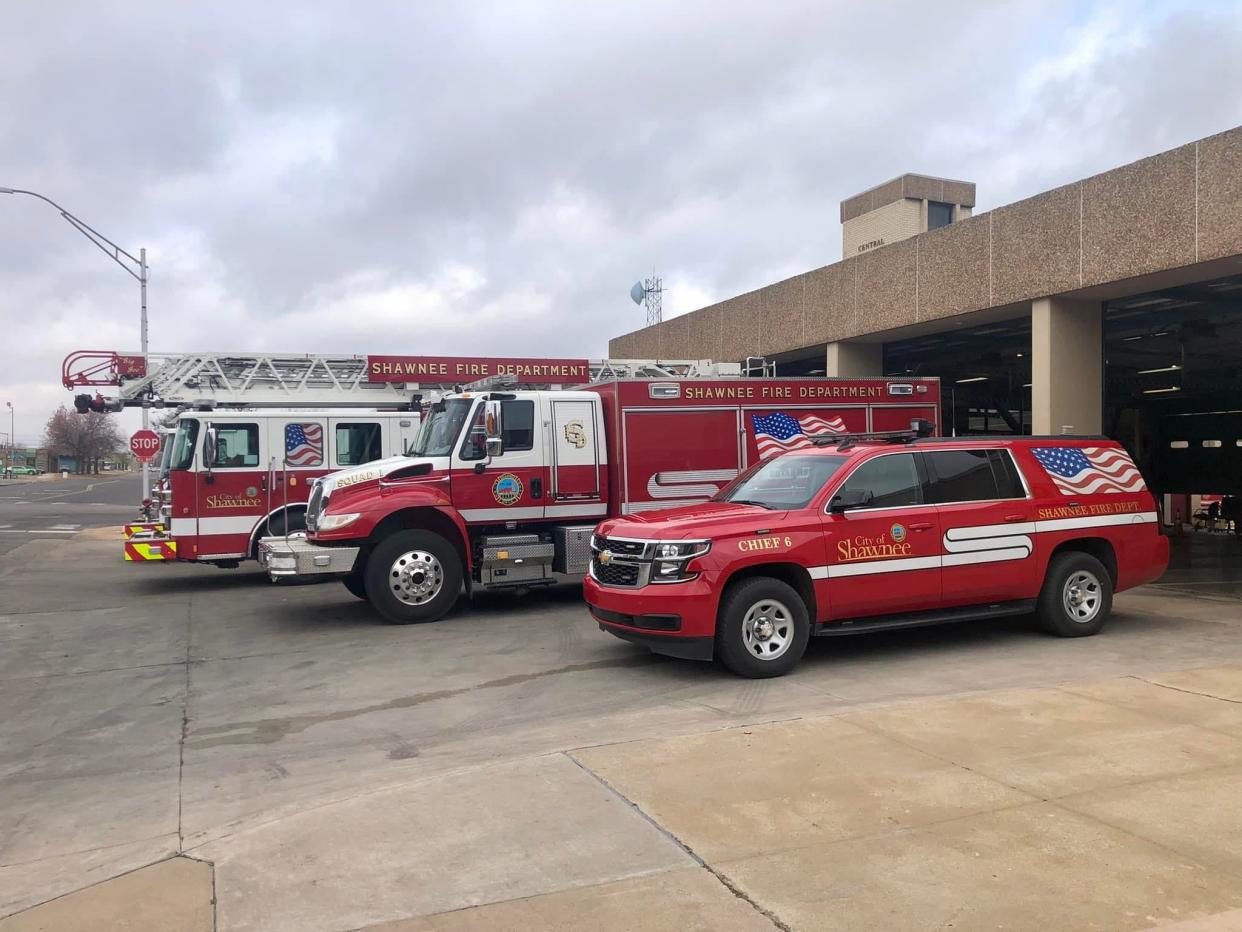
{"x": 650, "y": 294}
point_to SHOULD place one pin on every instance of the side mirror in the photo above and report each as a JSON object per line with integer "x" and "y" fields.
{"x": 209, "y": 449}
{"x": 850, "y": 498}
{"x": 493, "y": 428}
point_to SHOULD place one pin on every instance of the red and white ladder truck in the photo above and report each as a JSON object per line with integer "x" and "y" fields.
{"x": 250, "y": 432}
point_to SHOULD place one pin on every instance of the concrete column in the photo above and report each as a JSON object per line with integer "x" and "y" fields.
{"x": 1067, "y": 366}
{"x": 855, "y": 360}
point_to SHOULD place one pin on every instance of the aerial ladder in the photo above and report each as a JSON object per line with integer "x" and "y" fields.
{"x": 181, "y": 381}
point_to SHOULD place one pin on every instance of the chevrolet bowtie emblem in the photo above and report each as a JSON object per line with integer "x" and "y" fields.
{"x": 605, "y": 556}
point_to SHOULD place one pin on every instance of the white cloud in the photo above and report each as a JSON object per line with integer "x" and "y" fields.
{"x": 481, "y": 179}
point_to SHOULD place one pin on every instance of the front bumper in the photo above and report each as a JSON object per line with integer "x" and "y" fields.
{"x": 296, "y": 556}
{"x": 677, "y": 619}
{"x": 149, "y": 546}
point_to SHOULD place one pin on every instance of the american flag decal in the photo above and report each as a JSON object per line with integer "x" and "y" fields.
{"x": 776, "y": 433}
{"x": 304, "y": 444}
{"x": 1085, "y": 470}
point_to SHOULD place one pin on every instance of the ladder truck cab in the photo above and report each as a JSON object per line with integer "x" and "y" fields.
{"x": 234, "y": 476}
{"x": 504, "y": 486}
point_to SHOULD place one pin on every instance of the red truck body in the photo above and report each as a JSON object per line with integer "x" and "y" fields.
{"x": 521, "y": 513}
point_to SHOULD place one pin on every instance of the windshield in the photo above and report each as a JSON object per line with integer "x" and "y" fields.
{"x": 166, "y": 451}
{"x": 183, "y": 444}
{"x": 440, "y": 431}
{"x": 783, "y": 482}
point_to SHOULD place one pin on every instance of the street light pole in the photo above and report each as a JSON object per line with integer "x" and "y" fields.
{"x": 135, "y": 266}
{"x": 8, "y": 460}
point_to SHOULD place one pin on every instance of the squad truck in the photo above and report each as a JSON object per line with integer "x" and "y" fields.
{"x": 505, "y": 485}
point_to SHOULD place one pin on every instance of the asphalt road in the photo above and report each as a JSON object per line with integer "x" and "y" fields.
{"x": 49, "y": 508}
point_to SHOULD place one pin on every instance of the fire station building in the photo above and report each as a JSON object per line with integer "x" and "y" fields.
{"x": 1110, "y": 305}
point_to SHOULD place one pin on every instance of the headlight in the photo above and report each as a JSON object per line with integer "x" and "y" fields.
{"x": 682, "y": 549}
{"x": 673, "y": 557}
{"x": 335, "y": 522}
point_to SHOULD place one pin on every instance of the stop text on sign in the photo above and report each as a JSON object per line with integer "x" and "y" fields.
{"x": 144, "y": 444}
{"x": 451, "y": 370}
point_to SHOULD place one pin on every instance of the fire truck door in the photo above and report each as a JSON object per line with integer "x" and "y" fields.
{"x": 230, "y": 496}
{"x": 509, "y": 487}
{"x": 883, "y": 550}
{"x": 575, "y": 451}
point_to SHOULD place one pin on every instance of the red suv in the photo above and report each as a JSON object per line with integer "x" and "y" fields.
{"x": 870, "y": 532}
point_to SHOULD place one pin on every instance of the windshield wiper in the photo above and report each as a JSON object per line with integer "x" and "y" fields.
{"x": 750, "y": 501}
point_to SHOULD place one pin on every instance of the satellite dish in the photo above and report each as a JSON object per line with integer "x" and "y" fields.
{"x": 638, "y": 292}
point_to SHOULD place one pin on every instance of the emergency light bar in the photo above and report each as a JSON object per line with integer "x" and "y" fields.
{"x": 919, "y": 428}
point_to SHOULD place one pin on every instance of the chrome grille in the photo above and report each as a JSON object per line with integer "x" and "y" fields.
{"x": 615, "y": 574}
{"x": 628, "y": 563}
{"x": 627, "y": 548}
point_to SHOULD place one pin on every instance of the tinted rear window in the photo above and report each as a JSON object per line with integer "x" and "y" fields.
{"x": 961, "y": 476}
{"x": 1008, "y": 481}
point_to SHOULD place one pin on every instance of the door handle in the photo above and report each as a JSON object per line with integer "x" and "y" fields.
{"x": 1012, "y": 518}
{"x": 921, "y": 526}
{"x": 263, "y": 483}
{"x": 536, "y": 488}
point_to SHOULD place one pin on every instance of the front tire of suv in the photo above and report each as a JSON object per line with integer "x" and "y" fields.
{"x": 413, "y": 576}
{"x": 1077, "y": 595}
{"x": 762, "y": 629}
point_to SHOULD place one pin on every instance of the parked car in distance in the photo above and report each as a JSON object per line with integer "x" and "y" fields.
{"x": 24, "y": 471}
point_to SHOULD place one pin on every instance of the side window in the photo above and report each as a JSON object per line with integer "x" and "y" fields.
{"x": 961, "y": 476}
{"x": 517, "y": 429}
{"x": 237, "y": 445}
{"x": 517, "y": 425}
{"x": 358, "y": 443}
{"x": 892, "y": 479}
{"x": 303, "y": 444}
{"x": 1008, "y": 480}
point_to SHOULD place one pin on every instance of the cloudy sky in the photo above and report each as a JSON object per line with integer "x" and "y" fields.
{"x": 490, "y": 178}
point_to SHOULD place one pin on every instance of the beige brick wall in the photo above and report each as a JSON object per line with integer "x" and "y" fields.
{"x": 881, "y": 227}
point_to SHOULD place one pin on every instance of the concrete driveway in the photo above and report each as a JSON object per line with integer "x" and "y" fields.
{"x": 511, "y": 767}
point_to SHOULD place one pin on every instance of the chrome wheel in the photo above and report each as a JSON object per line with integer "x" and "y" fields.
{"x": 416, "y": 577}
{"x": 1082, "y": 596}
{"x": 768, "y": 629}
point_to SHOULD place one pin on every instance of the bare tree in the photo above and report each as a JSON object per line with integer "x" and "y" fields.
{"x": 86, "y": 437}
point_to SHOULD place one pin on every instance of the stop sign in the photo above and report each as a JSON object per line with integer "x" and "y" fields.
{"x": 145, "y": 444}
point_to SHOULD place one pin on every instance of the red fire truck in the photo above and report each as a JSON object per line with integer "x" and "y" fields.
{"x": 504, "y": 487}
{"x": 237, "y": 475}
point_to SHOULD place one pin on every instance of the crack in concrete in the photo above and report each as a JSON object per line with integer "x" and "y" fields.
{"x": 1189, "y": 692}
{"x": 271, "y": 730}
{"x": 185, "y": 727}
{"x": 686, "y": 849}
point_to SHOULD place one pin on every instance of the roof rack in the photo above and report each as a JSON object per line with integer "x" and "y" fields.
{"x": 919, "y": 429}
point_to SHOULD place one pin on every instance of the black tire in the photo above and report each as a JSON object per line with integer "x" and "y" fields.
{"x": 1077, "y": 595}
{"x": 744, "y": 656}
{"x": 384, "y": 568}
{"x": 356, "y": 583}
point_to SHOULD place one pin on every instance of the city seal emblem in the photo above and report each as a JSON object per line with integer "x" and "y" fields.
{"x": 507, "y": 489}
{"x": 897, "y": 532}
{"x": 575, "y": 434}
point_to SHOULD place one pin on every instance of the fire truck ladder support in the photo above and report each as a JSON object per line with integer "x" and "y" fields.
{"x": 207, "y": 380}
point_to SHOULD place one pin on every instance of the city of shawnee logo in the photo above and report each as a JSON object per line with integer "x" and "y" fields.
{"x": 233, "y": 501}
{"x": 880, "y": 547}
